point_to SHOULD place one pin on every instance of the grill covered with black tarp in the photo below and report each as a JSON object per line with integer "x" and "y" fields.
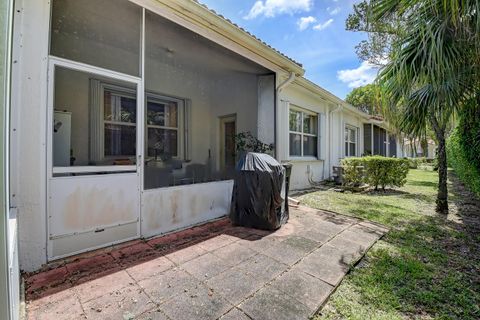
{"x": 259, "y": 193}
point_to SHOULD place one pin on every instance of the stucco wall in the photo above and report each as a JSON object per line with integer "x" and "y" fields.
{"x": 307, "y": 169}
{"x": 230, "y": 88}
{"x": 28, "y": 131}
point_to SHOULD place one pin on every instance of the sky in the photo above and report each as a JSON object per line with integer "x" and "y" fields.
{"x": 311, "y": 32}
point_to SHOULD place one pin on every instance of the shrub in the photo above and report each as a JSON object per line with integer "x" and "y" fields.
{"x": 458, "y": 159}
{"x": 414, "y": 163}
{"x": 377, "y": 171}
{"x": 353, "y": 172}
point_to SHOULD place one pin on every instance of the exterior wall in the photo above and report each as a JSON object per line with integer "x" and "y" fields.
{"x": 168, "y": 209}
{"x": 308, "y": 170}
{"x": 356, "y": 122}
{"x": 266, "y": 109}
{"x": 9, "y": 270}
{"x": 211, "y": 96}
{"x": 28, "y": 129}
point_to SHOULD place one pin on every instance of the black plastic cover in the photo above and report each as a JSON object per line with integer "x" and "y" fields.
{"x": 258, "y": 198}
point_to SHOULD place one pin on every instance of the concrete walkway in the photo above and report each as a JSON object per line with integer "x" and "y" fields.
{"x": 215, "y": 271}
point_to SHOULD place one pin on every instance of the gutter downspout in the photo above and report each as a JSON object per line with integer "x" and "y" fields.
{"x": 285, "y": 83}
{"x": 278, "y": 125}
{"x": 329, "y": 144}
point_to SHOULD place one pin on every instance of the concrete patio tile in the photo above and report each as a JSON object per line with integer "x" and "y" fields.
{"x": 301, "y": 243}
{"x": 125, "y": 303}
{"x": 234, "y": 253}
{"x": 217, "y": 242}
{"x": 186, "y": 254}
{"x": 291, "y": 250}
{"x": 315, "y": 235}
{"x": 60, "y": 308}
{"x": 305, "y": 288}
{"x": 326, "y": 264}
{"x": 201, "y": 303}
{"x": 348, "y": 251}
{"x": 373, "y": 226}
{"x": 149, "y": 268}
{"x": 364, "y": 233}
{"x": 235, "y": 314}
{"x": 329, "y": 227}
{"x": 235, "y": 285}
{"x": 262, "y": 267}
{"x": 261, "y": 244}
{"x": 206, "y": 266}
{"x": 103, "y": 285}
{"x": 286, "y": 274}
{"x": 154, "y": 314}
{"x": 50, "y": 299}
{"x": 168, "y": 285}
{"x": 272, "y": 304}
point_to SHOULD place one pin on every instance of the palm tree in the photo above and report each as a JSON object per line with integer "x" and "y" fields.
{"x": 433, "y": 68}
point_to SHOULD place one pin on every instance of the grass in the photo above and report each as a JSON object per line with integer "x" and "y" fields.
{"x": 426, "y": 267}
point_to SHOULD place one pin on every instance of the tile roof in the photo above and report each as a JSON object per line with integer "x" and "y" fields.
{"x": 247, "y": 32}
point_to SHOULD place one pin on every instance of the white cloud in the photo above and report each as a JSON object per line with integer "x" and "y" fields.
{"x": 322, "y": 26}
{"x": 304, "y": 22}
{"x": 363, "y": 75}
{"x": 333, "y": 11}
{"x": 270, "y": 8}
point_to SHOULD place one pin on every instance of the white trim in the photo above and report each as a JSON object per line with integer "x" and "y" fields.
{"x": 53, "y": 258}
{"x": 64, "y": 63}
{"x": 304, "y": 159}
{"x": 93, "y": 169}
{"x": 79, "y": 66}
{"x": 302, "y": 134}
{"x": 159, "y": 98}
{"x": 92, "y": 230}
{"x": 356, "y": 142}
{"x": 180, "y": 187}
{"x": 224, "y": 120}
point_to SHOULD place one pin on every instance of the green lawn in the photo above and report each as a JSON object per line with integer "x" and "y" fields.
{"x": 426, "y": 267}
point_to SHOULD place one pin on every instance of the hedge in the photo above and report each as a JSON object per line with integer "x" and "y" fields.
{"x": 414, "y": 163}
{"x": 375, "y": 171}
{"x": 458, "y": 159}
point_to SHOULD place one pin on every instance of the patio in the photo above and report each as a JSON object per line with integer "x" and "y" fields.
{"x": 214, "y": 271}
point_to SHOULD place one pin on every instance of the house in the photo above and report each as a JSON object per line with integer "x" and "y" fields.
{"x": 413, "y": 148}
{"x": 122, "y": 118}
{"x": 335, "y": 130}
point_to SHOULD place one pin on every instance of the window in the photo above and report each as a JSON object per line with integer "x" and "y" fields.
{"x": 162, "y": 128}
{"x": 120, "y": 121}
{"x": 350, "y": 141}
{"x": 303, "y": 133}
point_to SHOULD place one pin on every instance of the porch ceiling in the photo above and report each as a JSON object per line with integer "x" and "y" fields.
{"x": 180, "y": 46}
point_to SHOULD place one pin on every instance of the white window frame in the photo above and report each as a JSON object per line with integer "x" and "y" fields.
{"x": 302, "y": 134}
{"x": 122, "y": 92}
{"x": 55, "y": 62}
{"x": 347, "y": 140}
{"x": 180, "y": 122}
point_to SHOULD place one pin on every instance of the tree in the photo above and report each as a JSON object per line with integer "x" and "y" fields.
{"x": 381, "y": 33}
{"x": 366, "y": 98}
{"x": 433, "y": 67}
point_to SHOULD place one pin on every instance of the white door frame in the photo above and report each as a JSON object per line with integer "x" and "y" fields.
{"x": 223, "y": 121}
{"x": 137, "y": 168}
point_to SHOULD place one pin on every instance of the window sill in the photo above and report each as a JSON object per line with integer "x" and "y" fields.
{"x": 303, "y": 159}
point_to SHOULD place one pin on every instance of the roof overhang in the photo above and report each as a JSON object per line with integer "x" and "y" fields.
{"x": 330, "y": 97}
